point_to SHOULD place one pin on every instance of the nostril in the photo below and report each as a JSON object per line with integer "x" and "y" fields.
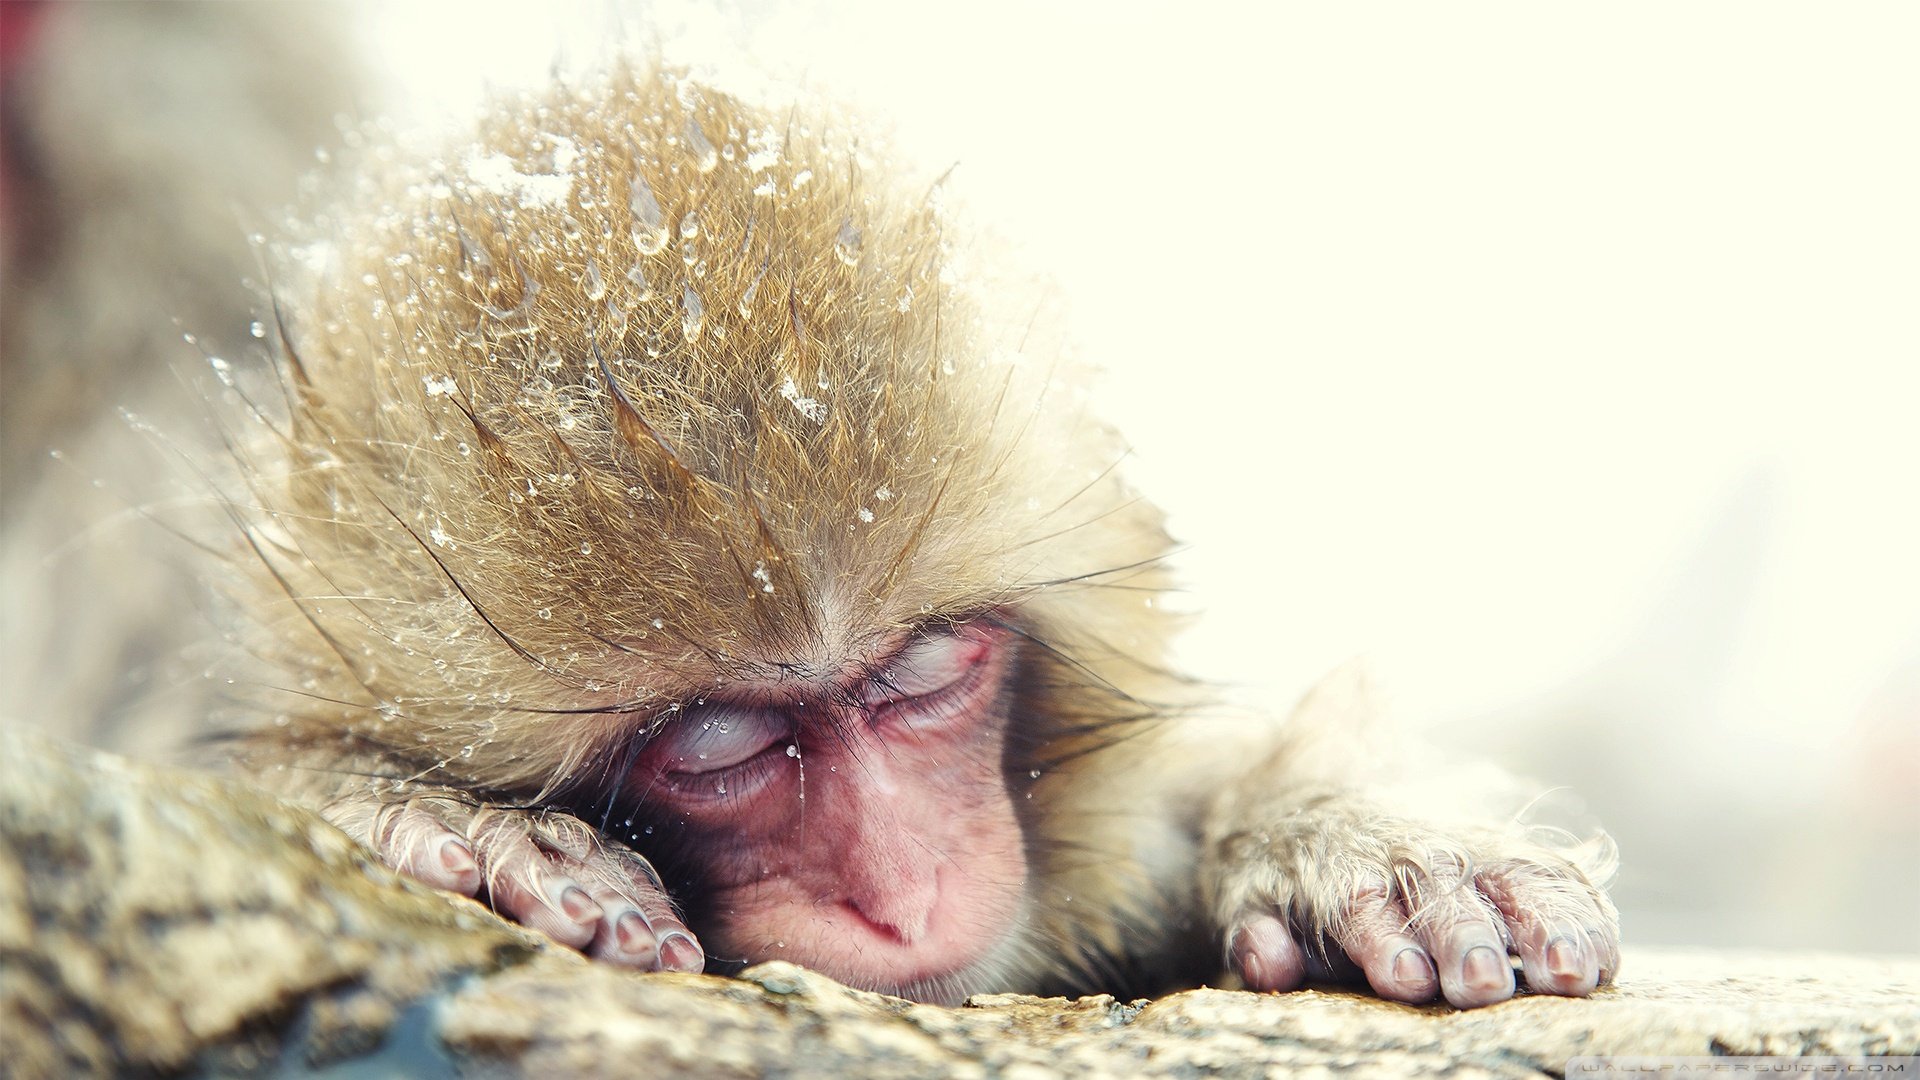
{"x": 878, "y": 925}
{"x": 902, "y": 924}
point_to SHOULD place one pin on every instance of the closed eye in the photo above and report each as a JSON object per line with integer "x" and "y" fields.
{"x": 930, "y": 664}
{"x": 712, "y": 738}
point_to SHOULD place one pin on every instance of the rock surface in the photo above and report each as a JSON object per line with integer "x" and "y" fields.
{"x": 157, "y": 922}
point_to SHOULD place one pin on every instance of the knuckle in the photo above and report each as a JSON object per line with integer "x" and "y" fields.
{"x": 491, "y": 826}
{"x": 1368, "y": 892}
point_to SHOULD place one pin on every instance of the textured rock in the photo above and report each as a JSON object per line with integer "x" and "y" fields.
{"x": 156, "y": 922}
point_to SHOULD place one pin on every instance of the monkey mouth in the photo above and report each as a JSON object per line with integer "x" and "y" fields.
{"x": 937, "y": 961}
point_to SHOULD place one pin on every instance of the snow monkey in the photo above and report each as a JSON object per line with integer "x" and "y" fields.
{"x": 672, "y": 534}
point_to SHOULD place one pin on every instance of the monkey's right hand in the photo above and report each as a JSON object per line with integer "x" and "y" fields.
{"x": 545, "y": 870}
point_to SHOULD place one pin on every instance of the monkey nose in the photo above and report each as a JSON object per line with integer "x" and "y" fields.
{"x": 901, "y": 911}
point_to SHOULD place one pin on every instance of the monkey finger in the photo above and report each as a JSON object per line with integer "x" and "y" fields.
{"x": 626, "y": 936}
{"x": 564, "y": 835}
{"x": 1566, "y": 943}
{"x": 623, "y": 937}
{"x": 1469, "y": 954}
{"x": 523, "y": 885}
{"x": 632, "y": 877}
{"x": 1473, "y": 962}
{"x": 412, "y": 840}
{"x": 1459, "y": 926}
{"x": 1265, "y": 955}
{"x": 1373, "y": 932}
{"x": 640, "y": 929}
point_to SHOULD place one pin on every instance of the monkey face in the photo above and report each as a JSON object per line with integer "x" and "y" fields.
{"x": 855, "y": 820}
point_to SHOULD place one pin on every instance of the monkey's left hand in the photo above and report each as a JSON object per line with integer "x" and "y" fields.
{"x": 1317, "y": 886}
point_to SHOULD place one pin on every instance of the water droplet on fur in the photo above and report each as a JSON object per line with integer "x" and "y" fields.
{"x": 690, "y": 226}
{"x": 1033, "y": 774}
{"x": 800, "y": 179}
{"x": 745, "y": 306}
{"x": 649, "y": 223}
{"x": 596, "y": 288}
{"x": 257, "y": 329}
{"x": 705, "y": 157}
{"x": 865, "y": 515}
{"x": 544, "y": 613}
{"x": 793, "y": 751}
{"x": 659, "y": 624}
{"x": 693, "y": 314}
{"x": 643, "y": 289}
{"x": 586, "y": 547}
{"x": 846, "y": 246}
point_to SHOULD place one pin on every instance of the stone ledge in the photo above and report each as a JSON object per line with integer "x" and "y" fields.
{"x": 154, "y": 921}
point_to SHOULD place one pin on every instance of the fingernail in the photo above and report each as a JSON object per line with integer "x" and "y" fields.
{"x": 1246, "y": 959}
{"x": 578, "y": 905}
{"x": 1253, "y": 970}
{"x": 1412, "y": 969}
{"x": 631, "y": 931}
{"x": 456, "y": 856}
{"x": 678, "y": 951}
{"x": 1485, "y": 968}
{"x": 1562, "y": 957}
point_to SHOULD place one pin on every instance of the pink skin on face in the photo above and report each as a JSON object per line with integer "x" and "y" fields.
{"x": 859, "y": 825}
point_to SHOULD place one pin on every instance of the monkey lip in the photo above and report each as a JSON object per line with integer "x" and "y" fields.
{"x": 926, "y": 962}
{"x": 861, "y": 952}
